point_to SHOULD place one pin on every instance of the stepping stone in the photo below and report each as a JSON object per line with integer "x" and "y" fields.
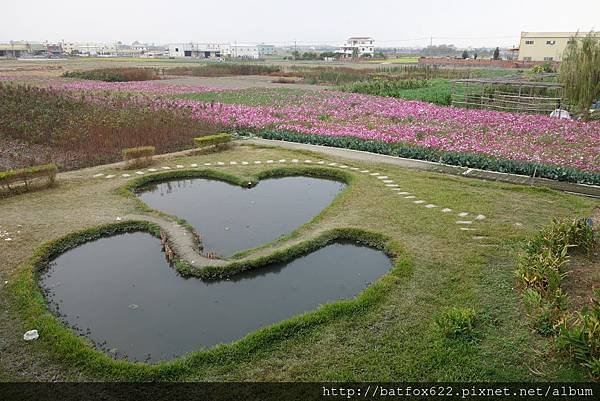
{"x": 294, "y": 160}
{"x": 463, "y": 214}
{"x": 430, "y": 206}
{"x": 354, "y": 168}
{"x": 398, "y": 189}
{"x": 257, "y": 162}
{"x": 419, "y": 201}
{"x": 464, "y": 222}
{"x": 332, "y": 164}
{"x": 364, "y": 171}
{"x": 233, "y": 163}
{"x": 245, "y": 163}
{"x": 402, "y": 193}
{"x": 479, "y": 237}
{"x": 98, "y": 175}
{"x": 179, "y": 166}
{"x": 446, "y": 210}
{"x": 125, "y": 175}
{"x": 307, "y": 161}
{"x": 321, "y": 162}
{"x": 208, "y": 164}
{"x": 193, "y": 165}
{"x": 382, "y": 177}
{"x": 467, "y": 229}
{"x": 388, "y": 181}
{"x": 391, "y": 185}
{"x": 220, "y": 163}
{"x": 139, "y": 172}
{"x": 410, "y": 197}
{"x": 282, "y": 161}
{"x": 480, "y": 217}
{"x": 269, "y": 161}
{"x": 110, "y": 176}
{"x": 343, "y": 166}
{"x": 152, "y": 170}
{"x": 374, "y": 174}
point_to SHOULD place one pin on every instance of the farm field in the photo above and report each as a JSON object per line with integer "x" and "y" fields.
{"x": 497, "y": 140}
{"x": 453, "y": 242}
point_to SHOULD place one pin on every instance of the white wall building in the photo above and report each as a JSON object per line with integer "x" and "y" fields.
{"x": 358, "y": 46}
{"x": 217, "y": 50}
{"x": 195, "y": 50}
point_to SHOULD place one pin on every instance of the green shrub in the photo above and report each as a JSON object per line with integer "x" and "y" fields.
{"x": 25, "y": 175}
{"x": 433, "y": 91}
{"x": 218, "y": 141}
{"x": 138, "y": 157}
{"x": 115, "y": 74}
{"x": 471, "y": 160}
{"x": 542, "y": 267}
{"x": 457, "y": 323}
{"x": 580, "y": 337}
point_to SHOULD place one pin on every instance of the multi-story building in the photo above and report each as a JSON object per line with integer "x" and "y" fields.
{"x": 545, "y": 46}
{"x": 358, "y": 46}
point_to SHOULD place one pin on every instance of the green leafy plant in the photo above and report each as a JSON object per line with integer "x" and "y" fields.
{"x": 580, "y": 336}
{"x": 457, "y": 323}
{"x": 115, "y": 74}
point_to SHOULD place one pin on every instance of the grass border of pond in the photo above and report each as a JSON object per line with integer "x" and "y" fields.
{"x": 69, "y": 348}
{"x": 130, "y": 189}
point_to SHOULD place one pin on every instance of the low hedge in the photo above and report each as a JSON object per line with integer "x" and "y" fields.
{"x": 212, "y": 140}
{"x": 472, "y": 160}
{"x": 140, "y": 156}
{"x": 26, "y": 174}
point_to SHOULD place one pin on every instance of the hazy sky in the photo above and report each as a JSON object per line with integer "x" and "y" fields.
{"x": 390, "y": 22}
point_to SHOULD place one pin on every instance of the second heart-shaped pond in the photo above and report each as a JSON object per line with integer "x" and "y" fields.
{"x": 231, "y": 218}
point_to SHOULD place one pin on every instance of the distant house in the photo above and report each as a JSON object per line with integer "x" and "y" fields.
{"x": 545, "y": 46}
{"x": 358, "y": 46}
{"x": 26, "y": 49}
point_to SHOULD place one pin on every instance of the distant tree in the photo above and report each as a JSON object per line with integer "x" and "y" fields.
{"x": 296, "y": 54}
{"x": 497, "y": 54}
{"x": 465, "y": 54}
{"x": 475, "y": 56}
{"x": 580, "y": 72}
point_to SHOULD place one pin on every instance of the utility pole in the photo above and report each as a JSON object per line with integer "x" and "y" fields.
{"x": 295, "y": 49}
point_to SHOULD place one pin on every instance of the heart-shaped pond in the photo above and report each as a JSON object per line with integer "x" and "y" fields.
{"x": 231, "y": 218}
{"x": 120, "y": 293}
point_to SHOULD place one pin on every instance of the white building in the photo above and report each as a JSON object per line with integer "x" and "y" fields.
{"x": 195, "y": 50}
{"x": 218, "y": 50}
{"x": 358, "y": 46}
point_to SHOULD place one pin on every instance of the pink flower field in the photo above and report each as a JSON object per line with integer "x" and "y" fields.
{"x": 531, "y": 138}
{"x": 511, "y": 136}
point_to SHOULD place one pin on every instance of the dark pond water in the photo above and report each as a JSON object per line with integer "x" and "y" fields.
{"x": 120, "y": 293}
{"x": 231, "y": 218}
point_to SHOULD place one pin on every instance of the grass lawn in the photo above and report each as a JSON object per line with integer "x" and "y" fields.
{"x": 394, "y": 338}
